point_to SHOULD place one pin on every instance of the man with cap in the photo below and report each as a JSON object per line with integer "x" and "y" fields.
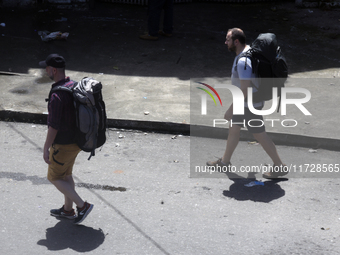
{"x": 60, "y": 149}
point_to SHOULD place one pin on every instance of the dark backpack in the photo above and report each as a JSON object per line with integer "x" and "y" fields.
{"x": 268, "y": 64}
{"x": 90, "y": 113}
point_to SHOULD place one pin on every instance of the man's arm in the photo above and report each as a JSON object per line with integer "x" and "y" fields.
{"x": 51, "y": 134}
{"x": 244, "y": 87}
{"x": 245, "y": 73}
{"x": 229, "y": 113}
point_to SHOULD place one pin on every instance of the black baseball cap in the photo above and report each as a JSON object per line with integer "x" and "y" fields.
{"x": 53, "y": 60}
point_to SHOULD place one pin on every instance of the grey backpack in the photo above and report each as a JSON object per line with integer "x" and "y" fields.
{"x": 90, "y": 113}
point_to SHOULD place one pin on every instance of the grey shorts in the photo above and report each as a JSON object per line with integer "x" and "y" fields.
{"x": 254, "y": 123}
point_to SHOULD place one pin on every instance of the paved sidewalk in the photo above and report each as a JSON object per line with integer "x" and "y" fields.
{"x": 147, "y": 84}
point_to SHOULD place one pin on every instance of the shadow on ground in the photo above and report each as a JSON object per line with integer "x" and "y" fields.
{"x": 66, "y": 235}
{"x": 270, "y": 191}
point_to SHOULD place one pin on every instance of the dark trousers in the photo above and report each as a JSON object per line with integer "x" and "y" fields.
{"x": 155, "y": 10}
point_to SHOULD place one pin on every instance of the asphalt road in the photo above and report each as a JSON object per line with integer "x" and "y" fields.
{"x": 146, "y": 203}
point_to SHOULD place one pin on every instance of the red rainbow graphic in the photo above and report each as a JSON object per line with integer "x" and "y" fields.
{"x": 213, "y": 90}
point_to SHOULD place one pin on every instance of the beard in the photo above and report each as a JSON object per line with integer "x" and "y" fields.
{"x": 232, "y": 48}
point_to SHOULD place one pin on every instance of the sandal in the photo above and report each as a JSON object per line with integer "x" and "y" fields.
{"x": 276, "y": 171}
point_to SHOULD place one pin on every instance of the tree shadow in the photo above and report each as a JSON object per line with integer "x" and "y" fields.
{"x": 66, "y": 235}
{"x": 270, "y": 191}
{"x": 194, "y": 50}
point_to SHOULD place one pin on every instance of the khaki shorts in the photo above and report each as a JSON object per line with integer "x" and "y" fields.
{"x": 62, "y": 157}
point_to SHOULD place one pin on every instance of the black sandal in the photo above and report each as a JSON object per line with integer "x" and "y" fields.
{"x": 276, "y": 171}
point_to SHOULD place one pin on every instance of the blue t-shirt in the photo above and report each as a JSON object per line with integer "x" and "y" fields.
{"x": 239, "y": 73}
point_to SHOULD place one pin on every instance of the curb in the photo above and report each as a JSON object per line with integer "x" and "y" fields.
{"x": 150, "y": 126}
{"x": 187, "y": 129}
{"x": 278, "y": 138}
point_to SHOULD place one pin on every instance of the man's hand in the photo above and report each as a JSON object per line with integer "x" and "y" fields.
{"x": 51, "y": 134}
{"x": 229, "y": 113}
{"x": 47, "y": 156}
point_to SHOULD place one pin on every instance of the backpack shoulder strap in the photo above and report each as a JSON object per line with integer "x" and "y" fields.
{"x": 247, "y": 54}
{"x": 59, "y": 88}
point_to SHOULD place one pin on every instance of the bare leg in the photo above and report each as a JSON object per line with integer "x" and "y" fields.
{"x": 67, "y": 187}
{"x": 269, "y": 147}
{"x": 68, "y": 202}
{"x": 232, "y": 142}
